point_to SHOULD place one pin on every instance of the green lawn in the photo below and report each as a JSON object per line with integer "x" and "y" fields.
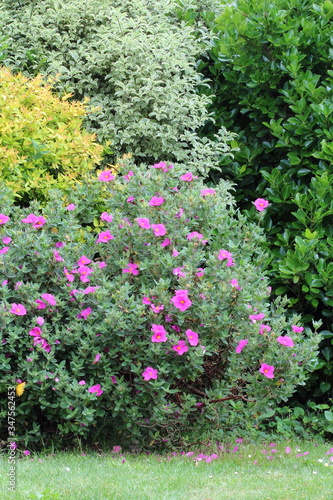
{"x": 232, "y": 476}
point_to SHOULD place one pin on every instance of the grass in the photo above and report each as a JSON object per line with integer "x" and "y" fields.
{"x": 246, "y": 474}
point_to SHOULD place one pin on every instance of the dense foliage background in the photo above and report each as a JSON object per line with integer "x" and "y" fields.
{"x": 269, "y": 66}
{"x": 134, "y": 59}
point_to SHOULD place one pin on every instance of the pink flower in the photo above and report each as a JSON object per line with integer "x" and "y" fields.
{"x": 180, "y": 213}
{"x": 101, "y": 264}
{"x": 302, "y": 454}
{"x": 90, "y": 289}
{"x": 85, "y": 313}
{"x": 84, "y": 272}
{"x": 200, "y": 272}
{"x": 181, "y": 300}
{"x": 30, "y": 219}
{"x": 71, "y": 206}
{"x": 188, "y": 177}
{"x": 256, "y": 317}
{"x": 149, "y": 373}
{"x": 126, "y": 222}
{"x": 260, "y": 204}
{"x": 6, "y": 239}
{"x": 159, "y": 229}
{"x": 107, "y": 217}
{"x": 69, "y": 276}
{"x": 175, "y": 253}
{"x": 177, "y": 271}
{"x": 287, "y": 341}
{"x": 194, "y": 234}
{"x": 288, "y": 450}
{"x": 159, "y": 333}
{"x": 207, "y": 191}
{"x": 143, "y": 222}
{"x": 49, "y": 298}
{"x": 192, "y": 337}
{"x": 97, "y": 358}
{"x": 162, "y": 165}
{"x": 39, "y": 222}
{"x": 297, "y": 329}
{"x": 180, "y": 347}
{"x": 40, "y": 304}
{"x": 146, "y": 300}
{"x": 156, "y": 201}
{"x": 44, "y": 344}
{"x": 82, "y": 382}
{"x": 234, "y": 284}
{"x": 106, "y": 176}
{"x": 131, "y": 268}
{"x": 165, "y": 243}
{"x": 104, "y": 236}
{"x": 116, "y": 449}
{"x": 35, "y": 332}
{"x": 59, "y": 244}
{"x": 157, "y": 309}
{"x": 96, "y": 388}
{"x": 264, "y": 329}
{"x": 267, "y": 370}
{"x": 18, "y": 309}
{"x": 26, "y": 452}
{"x": 4, "y": 218}
{"x": 40, "y": 321}
{"x": 129, "y": 175}
{"x": 4, "y": 250}
{"x": 224, "y": 254}
{"x": 83, "y": 260}
{"x": 57, "y": 256}
{"x": 130, "y": 199}
{"x": 241, "y": 345}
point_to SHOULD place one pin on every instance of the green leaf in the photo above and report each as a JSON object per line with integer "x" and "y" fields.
{"x": 328, "y": 416}
{"x": 324, "y": 386}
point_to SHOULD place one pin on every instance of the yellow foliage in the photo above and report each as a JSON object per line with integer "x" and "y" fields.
{"x": 42, "y": 142}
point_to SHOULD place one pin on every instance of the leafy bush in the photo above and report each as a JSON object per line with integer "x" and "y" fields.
{"x": 144, "y": 322}
{"x": 270, "y": 69}
{"x": 42, "y": 143}
{"x": 133, "y": 59}
{"x": 302, "y": 421}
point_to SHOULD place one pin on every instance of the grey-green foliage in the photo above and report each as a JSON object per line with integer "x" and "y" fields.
{"x": 134, "y": 59}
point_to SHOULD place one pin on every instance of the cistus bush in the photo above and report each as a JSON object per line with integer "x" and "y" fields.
{"x": 134, "y": 59}
{"x": 42, "y": 141}
{"x": 270, "y": 69}
{"x": 146, "y": 323}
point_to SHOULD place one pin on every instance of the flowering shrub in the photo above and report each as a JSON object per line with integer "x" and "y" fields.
{"x": 148, "y": 321}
